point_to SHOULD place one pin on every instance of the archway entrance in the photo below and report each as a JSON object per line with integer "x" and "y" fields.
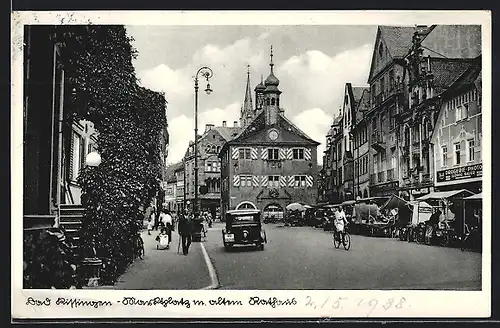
{"x": 246, "y": 206}
{"x": 273, "y": 209}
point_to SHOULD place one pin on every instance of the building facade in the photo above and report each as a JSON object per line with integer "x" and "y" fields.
{"x": 388, "y": 85}
{"x": 361, "y": 148}
{"x": 180, "y": 191}
{"x": 439, "y": 56}
{"x": 209, "y": 166}
{"x": 55, "y": 144}
{"x": 270, "y": 163}
{"x": 457, "y": 137}
{"x": 170, "y": 187}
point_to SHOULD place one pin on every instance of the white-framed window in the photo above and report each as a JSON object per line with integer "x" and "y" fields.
{"x": 298, "y": 153}
{"x": 458, "y": 113}
{"x": 273, "y": 181}
{"x": 444, "y": 155}
{"x": 470, "y": 145}
{"x": 457, "y": 153}
{"x": 299, "y": 180}
{"x": 208, "y": 166}
{"x": 273, "y": 154}
{"x": 245, "y": 180}
{"x": 245, "y": 153}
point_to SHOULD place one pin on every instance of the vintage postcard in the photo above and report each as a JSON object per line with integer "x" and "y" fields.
{"x": 260, "y": 164}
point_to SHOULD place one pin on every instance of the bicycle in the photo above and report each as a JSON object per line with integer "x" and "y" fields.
{"x": 346, "y": 240}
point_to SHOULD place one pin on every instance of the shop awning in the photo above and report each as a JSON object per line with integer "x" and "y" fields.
{"x": 475, "y": 197}
{"x": 394, "y": 202}
{"x": 447, "y": 194}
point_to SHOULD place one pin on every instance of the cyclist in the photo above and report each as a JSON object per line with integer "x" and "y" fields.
{"x": 340, "y": 223}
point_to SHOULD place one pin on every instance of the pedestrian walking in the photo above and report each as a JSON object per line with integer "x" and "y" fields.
{"x": 185, "y": 230}
{"x": 150, "y": 226}
{"x": 168, "y": 223}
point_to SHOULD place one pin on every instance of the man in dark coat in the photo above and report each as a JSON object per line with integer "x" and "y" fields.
{"x": 185, "y": 228}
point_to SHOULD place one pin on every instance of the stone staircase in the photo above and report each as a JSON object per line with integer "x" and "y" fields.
{"x": 71, "y": 219}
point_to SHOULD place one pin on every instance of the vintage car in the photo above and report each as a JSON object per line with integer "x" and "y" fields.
{"x": 243, "y": 227}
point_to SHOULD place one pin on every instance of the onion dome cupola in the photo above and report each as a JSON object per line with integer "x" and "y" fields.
{"x": 272, "y": 81}
{"x": 259, "y": 94}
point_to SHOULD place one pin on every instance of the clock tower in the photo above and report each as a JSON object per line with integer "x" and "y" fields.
{"x": 272, "y": 94}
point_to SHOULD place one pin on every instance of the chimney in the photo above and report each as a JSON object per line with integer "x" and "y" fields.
{"x": 208, "y": 127}
{"x": 235, "y": 124}
{"x": 224, "y": 123}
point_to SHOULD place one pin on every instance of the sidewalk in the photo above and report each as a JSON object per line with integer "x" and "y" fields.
{"x": 166, "y": 269}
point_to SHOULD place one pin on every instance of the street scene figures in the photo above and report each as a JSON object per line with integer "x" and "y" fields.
{"x": 278, "y": 157}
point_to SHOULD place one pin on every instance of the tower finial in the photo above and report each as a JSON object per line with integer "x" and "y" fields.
{"x": 271, "y": 64}
{"x": 262, "y": 78}
{"x": 248, "y": 70}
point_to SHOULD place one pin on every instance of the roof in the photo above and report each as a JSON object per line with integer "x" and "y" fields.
{"x": 446, "y": 194}
{"x": 447, "y": 71}
{"x": 258, "y": 124}
{"x": 227, "y": 132}
{"x": 170, "y": 171}
{"x": 398, "y": 39}
{"x": 475, "y": 197}
{"x": 357, "y": 93}
{"x": 472, "y": 76}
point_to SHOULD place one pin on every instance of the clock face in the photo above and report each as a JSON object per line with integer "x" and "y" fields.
{"x": 273, "y": 135}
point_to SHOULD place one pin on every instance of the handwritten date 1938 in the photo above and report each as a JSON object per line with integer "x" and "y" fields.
{"x": 339, "y": 303}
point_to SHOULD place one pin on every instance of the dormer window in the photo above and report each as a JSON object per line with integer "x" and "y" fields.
{"x": 380, "y": 52}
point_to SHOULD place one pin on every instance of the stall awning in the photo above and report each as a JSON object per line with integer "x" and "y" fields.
{"x": 475, "y": 197}
{"x": 394, "y": 202}
{"x": 446, "y": 194}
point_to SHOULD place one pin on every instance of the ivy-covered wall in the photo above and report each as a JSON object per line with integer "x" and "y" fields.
{"x": 129, "y": 119}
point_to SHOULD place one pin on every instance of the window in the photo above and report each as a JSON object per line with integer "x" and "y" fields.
{"x": 340, "y": 175}
{"x": 218, "y": 149}
{"x": 300, "y": 180}
{"x": 245, "y": 180}
{"x": 245, "y": 153}
{"x": 471, "y": 150}
{"x": 273, "y": 101}
{"x": 298, "y": 153}
{"x": 273, "y": 181}
{"x": 457, "y": 153}
{"x": 273, "y": 154}
{"x": 208, "y": 166}
{"x": 458, "y": 114}
{"x": 78, "y": 153}
{"x": 465, "y": 111}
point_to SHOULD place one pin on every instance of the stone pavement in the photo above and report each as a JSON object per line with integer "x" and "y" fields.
{"x": 166, "y": 269}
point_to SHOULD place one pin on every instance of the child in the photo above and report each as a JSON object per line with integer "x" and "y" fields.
{"x": 163, "y": 240}
{"x": 150, "y": 226}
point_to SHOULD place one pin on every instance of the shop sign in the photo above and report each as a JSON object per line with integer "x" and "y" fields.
{"x": 387, "y": 188}
{"x": 460, "y": 173}
{"x": 420, "y": 191}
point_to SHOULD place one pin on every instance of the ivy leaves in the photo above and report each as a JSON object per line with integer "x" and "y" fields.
{"x": 129, "y": 120}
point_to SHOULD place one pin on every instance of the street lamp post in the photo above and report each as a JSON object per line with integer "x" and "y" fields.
{"x": 207, "y": 73}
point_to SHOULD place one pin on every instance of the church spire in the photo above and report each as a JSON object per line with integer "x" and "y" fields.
{"x": 247, "y": 108}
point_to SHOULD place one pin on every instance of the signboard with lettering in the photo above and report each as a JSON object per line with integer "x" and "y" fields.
{"x": 460, "y": 173}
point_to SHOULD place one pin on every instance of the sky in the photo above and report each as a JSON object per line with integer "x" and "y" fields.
{"x": 313, "y": 64}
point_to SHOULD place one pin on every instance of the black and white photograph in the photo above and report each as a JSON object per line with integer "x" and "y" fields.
{"x": 275, "y": 163}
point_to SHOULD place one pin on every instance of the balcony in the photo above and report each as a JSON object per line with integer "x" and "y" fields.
{"x": 373, "y": 178}
{"x": 381, "y": 176}
{"x": 390, "y": 175}
{"x": 377, "y": 141}
{"x": 394, "y": 89}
